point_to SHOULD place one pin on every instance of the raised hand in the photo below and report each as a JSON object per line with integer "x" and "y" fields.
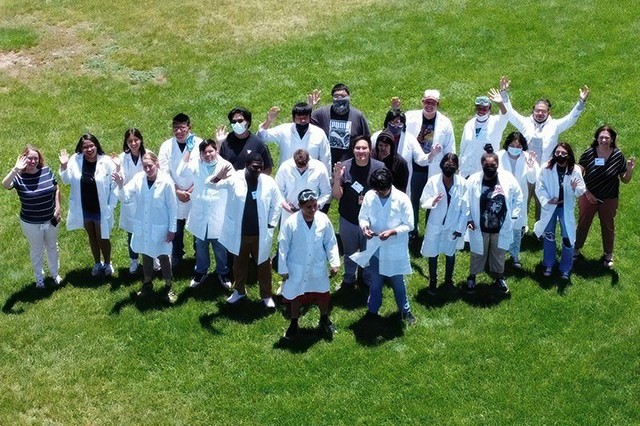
{"x": 221, "y": 133}
{"x": 584, "y": 93}
{"x": 272, "y": 114}
{"x": 338, "y": 171}
{"x": 64, "y": 157}
{"x": 494, "y": 95}
{"x": 21, "y": 164}
{"x": 504, "y": 83}
{"x": 115, "y": 158}
{"x": 313, "y": 98}
{"x": 395, "y": 103}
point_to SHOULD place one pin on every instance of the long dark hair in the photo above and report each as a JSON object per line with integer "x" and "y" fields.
{"x": 571, "y": 158}
{"x": 133, "y": 132}
{"x": 612, "y": 132}
{"x": 92, "y": 138}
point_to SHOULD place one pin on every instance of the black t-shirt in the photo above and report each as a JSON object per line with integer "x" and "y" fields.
{"x": 250, "y": 215}
{"x": 354, "y": 175}
{"x": 493, "y": 206}
{"x": 425, "y": 139}
{"x": 88, "y": 188}
{"x": 561, "y": 172}
{"x": 235, "y": 150}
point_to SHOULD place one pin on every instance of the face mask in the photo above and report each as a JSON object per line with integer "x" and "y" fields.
{"x": 514, "y": 151}
{"x": 448, "y": 171}
{"x": 482, "y": 118}
{"x": 395, "y": 131}
{"x": 560, "y": 159}
{"x": 341, "y": 106}
{"x": 489, "y": 171}
{"x": 239, "y": 128}
{"x": 302, "y": 128}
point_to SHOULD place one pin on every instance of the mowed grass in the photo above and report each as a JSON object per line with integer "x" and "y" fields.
{"x": 87, "y": 353}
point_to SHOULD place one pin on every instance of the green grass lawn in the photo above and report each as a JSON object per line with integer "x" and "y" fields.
{"x": 88, "y": 353}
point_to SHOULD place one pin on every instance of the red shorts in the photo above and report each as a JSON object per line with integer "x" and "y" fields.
{"x": 312, "y": 298}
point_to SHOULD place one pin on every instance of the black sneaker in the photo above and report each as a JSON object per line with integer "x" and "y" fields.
{"x": 471, "y": 285}
{"x": 328, "y": 329}
{"x": 408, "y": 318}
{"x": 197, "y": 279}
{"x": 225, "y": 281}
{"x": 291, "y": 332}
{"x": 432, "y": 290}
{"x": 502, "y": 287}
{"x": 146, "y": 290}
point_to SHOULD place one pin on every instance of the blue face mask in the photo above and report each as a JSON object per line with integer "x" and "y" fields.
{"x": 341, "y": 106}
{"x": 239, "y": 128}
{"x": 514, "y": 151}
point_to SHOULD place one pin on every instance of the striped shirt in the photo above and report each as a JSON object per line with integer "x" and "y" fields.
{"x": 603, "y": 181}
{"x": 37, "y": 194}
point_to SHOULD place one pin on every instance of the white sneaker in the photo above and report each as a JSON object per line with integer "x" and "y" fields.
{"x": 57, "y": 280}
{"x": 547, "y": 271}
{"x": 97, "y": 269}
{"x": 40, "y": 283}
{"x": 108, "y": 269}
{"x": 156, "y": 264}
{"x": 235, "y": 297}
{"x": 197, "y": 279}
{"x": 269, "y": 303}
{"x": 133, "y": 266}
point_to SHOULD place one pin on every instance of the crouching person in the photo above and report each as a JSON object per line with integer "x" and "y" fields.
{"x": 306, "y": 241}
{"x": 386, "y": 217}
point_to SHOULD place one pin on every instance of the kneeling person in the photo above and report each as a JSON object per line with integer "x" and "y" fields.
{"x": 306, "y": 241}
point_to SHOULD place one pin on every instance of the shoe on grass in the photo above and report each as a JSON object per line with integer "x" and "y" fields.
{"x": 517, "y": 264}
{"x": 501, "y": 284}
{"x": 224, "y": 281}
{"x": 408, "y": 318}
{"x": 108, "y": 269}
{"x": 291, "y": 332}
{"x": 432, "y": 290}
{"x": 133, "y": 266}
{"x": 269, "y": 303}
{"x": 470, "y": 286}
{"x": 197, "y": 279}
{"x": 146, "y": 290}
{"x": 328, "y": 329}
{"x": 170, "y": 296}
{"x": 97, "y": 269}
{"x": 235, "y": 297}
{"x": 40, "y": 283}
{"x": 547, "y": 271}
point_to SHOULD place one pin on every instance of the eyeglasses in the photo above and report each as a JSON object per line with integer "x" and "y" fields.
{"x": 182, "y": 128}
{"x": 237, "y": 121}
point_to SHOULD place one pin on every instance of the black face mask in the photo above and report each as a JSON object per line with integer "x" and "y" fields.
{"x": 489, "y": 172}
{"x": 448, "y": 171}
{"x": 561, "y": 160}
{"x": 302, "y": 128}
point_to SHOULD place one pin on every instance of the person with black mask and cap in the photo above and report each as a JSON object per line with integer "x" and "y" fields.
{"x": 297, "y": 135}
{"x": 445, "y": 194}
{"x": 557, "y": 187}
{"x": 495, "y": 200}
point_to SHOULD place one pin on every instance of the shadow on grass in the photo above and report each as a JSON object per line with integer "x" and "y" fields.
{"x": 303, "y": 341}
{"x": 548, "y": 283}
{"x": 444, "y": 295}
{"x": 350, "y": 297}
{"x": 208, "y": 291}
{"x": 485, "y": 296}
{"x": 245, "y": 312}
{"x": 153, "y": 301}
{"x": 206, "y": 321}
{"x": 374, "y": 330}
{"x": 530, "y": 243}
{"x": 592, "y": 268}
{"x": 29, "y": 294}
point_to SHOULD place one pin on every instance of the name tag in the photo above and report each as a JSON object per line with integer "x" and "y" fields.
{"x": 357, "y": 187}
{"x": 254, "y": 194}
{"x": 599, "y": 162}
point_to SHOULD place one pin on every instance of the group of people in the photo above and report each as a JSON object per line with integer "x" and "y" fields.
{"x": 225, "y": 197}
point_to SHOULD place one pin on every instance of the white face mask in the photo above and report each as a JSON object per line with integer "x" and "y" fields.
{"x": 514, "y": 151}
{"x": 239, "y": 128}
{"x": 482, "y": 118}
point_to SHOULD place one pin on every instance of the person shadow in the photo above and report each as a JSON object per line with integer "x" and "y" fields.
{"x": 374, "y": 330}
{"x": 592, "y": 268}
{"x": 350, "y": 297}
{"x": 244, "y": 311}
{"x": 209, "y": 290}
{"x": 443, "y": 296}
{"x": 29, "y": 295}
{"x": 484, "y": 296}
{"x": 153, "y": 301}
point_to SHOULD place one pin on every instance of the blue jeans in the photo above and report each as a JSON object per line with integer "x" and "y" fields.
{"x": 202, "y": 256}
{"x": 375, "y": 288}
{"x": 418, "y": 181}
{"x": 549, "y": 243}
{"x": 514, "y": 248}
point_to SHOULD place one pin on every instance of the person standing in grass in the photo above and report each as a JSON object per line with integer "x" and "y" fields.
{"x": 386, "y": 217}
{"x": 604, "y": 167}
{"x": 253, "y": 210}
{"x": 170, "y": 157}
{"x": 297, "y": 135}
{"x": 495, "y": 201}
{"x": 516, "y": 159}
{"x": 559, "y": 184}
{"x": 129, "y": 163}
{"x": 386, "y": 152}
{"x": 481, "y": 130}
{"x": 92, "y": 199}
{"x": 207, "y": 210}
{"x": 434, "y": 132}
{"x": 445, "y": 195}
{"x": 350, "y": 183}
{"x": 40, "y": 210}
{"x": 305, "y": 244}
{"x": 152, "y": 194}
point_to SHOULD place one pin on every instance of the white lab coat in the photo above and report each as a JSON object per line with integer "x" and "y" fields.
{"x": 524, "y": 175}
{"x": 472, "y": 146}
{"x": 303, "y": 253}
{"x": 409, "y": 149}
{"x": 155, "y": 213}
{"x": 513, "y": 200}
{"x": 397, "y": 214}
{"x": 290, "y": 182}
{"x": 106, "y": 196}
{"x": 208, "y": 204}
{"x": 548, "y": 187}
{"x": 170, "y": 158}
{"x": 269, "y": 202}
{"x": 128, "y": 170}
{"x": 442, "y": 135}
{"x": 547, "y": 133}
{"x": 288, "y": 139}
{"x": 444, "y": 219}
